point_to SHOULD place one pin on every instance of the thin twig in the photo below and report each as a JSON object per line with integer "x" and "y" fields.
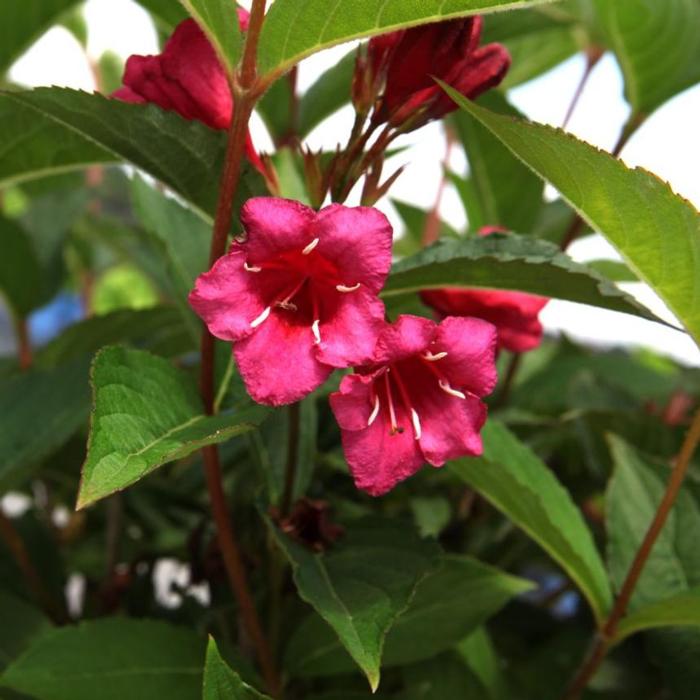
{"x": 431, "y": 231}
{"x": 605, "y": 637}
{"x": 513, "y": 367}
{"x": 290, "y": 472}
{"x": 592, "y": 57}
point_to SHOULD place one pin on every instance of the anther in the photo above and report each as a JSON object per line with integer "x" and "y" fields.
{"x": 449, "y": 390}
{"x": 346, "y": 290}
{"x": 310, "y": 247}
{"x": 375, "y": 411}
{"x": 316, "y": 331}
{"x": 416, "y": 424}
{"x": 251, "y": 268}
{"x": 287, "y": 305}
{"x": 434, "y": 358}
{"x": 262, "y": 318}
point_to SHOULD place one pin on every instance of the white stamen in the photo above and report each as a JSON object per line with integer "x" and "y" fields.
{"x": 449, "y": 390}
{"x": 310, "y": 247}
{"x": 261, "y": 319}
{"x": 316, "y": 331}
{"x": 251, "y": 268}
{"x": 416, "y": 424}
{"x": 392, "y": 411}
{"x": 434, "y": 358}
{"x": 347, "y": 290}
{"x": 375, "y": 411}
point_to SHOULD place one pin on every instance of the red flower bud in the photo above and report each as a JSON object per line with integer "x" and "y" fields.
{"x": 412, "y": 59}
{"x": 186, "y": 78}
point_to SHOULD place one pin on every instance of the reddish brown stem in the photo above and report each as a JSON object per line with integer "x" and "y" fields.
{"x": 592, "y": 57}
{"x": 244, "y": 98}
{"x": 290, "y": 471}
{"x": 15, "y": 544}
{"x": 431, "y": 232}
{"x": 605, "y": 637}
{"x": 24, "y": 347}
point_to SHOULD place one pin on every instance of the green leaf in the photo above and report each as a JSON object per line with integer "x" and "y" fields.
{"x": 184, "y": 236}
{"x": 363, "y": 584}
{"x": 295, "y": 29}
{"x": 146, "y": 413}
{"x": 20, "y": 272}
{"x": 24, "y": 21}
{"x": 221, "y": 682}
{"x": 657, "y": 45}
{"x": 634, "y": 494}
{"x": 110, "y": 659}
{"x": 537, "y": 39}
{"x": 21, "y": 623}
{"x": 479, "y": 654}
{"x": 677, "y": 652}
{"x": 519, "y": 263}
{"x": 680, "y": 610}
{"x": 167, "y": 13}
{"x": 516, "y": 482}
{"x": 510, "y": 194}
{"x": 327, "y": 95}
{"x": 39, "y": 411}
{"x": 449, "y": 604}
{"x": 159, "y": 330}
{"x": 537, "y": 53}
{"x": 54, "y": 129}
{"x": 218, "y": 19}
{"x": 613, "y": 270}
{"x": 655, "y": 231}
{"x": 445, "y": 676}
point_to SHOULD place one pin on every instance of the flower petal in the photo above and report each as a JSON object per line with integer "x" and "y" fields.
{"x": 513, "y": 313}
{"x": 450, "y": 426}
{"x": 228, "y": 298}
{"x": 352, "y": 404}
{"x": 409, "y": 335}
{"x": 349, "y": 335}
{"x": 278, "y": 362}
{"x": 377, "y": 458}
{"x": 470, "y": 344}
{"x": 358, "y": 241}
{"x": 274, "y": 226}
{"x": 190, "y": 59}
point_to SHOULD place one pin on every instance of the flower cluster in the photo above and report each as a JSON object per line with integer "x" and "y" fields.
{"x": 298, "y": 294}
{"x": 298, "y": 297}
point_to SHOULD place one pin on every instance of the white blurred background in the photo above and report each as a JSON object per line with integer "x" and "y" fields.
{"x": 667, "y": 144}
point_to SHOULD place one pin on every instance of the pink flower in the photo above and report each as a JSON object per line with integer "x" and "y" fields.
{"x": 447, "y": 50}
{"x": 299, "y": 297}
{"x": 418, "y": 401}
{"x": 186, "y": 78}
{"x": 515, "y": 314}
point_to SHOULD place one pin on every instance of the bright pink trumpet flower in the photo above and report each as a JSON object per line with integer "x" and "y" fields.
{"x": 298, "y": 297}
{"x": 418, "y": 401}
